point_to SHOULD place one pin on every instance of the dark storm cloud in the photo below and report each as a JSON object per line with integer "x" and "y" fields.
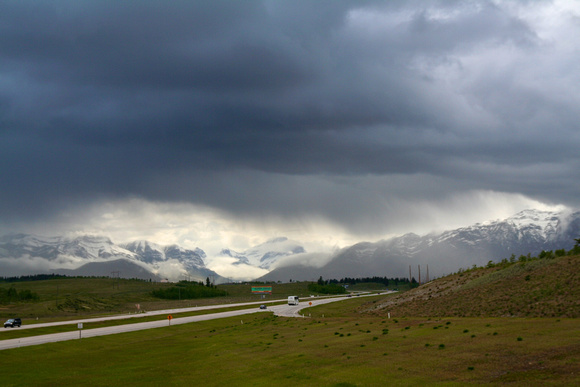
{"x": 170, "y": 100}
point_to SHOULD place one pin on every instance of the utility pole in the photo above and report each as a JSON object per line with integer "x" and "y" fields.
{"x": 427, "y": 280}
{"x": 419, "y": 266}
{"x": 118, "y": 273}
{"x": 410, "y": 278}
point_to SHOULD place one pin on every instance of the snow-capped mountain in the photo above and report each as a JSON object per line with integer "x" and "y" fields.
{"x": 526, "y": 232}
{"x": 183, "y": 263}
{"x": 529, "y": 231}
{"x": 28, "y": 254}
{"x": 87, "y": 247}
{"x": 266, "y": 254}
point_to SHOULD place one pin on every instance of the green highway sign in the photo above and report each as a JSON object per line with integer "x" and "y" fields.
{"x": 262, "y": 289}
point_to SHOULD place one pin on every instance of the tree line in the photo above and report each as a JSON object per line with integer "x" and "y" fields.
{"x": 34, "y": 277}
{"x": 187, "y": 290}
{"x": 43, "y": 277}
{"x": 12, "y": 295}
{"x": 380, "y": 280}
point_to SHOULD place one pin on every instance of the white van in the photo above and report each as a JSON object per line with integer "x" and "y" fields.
{"x": 293, "y": 300}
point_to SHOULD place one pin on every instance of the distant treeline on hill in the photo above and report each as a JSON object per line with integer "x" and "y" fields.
{"x": 43, "y": 277}
{"x": 379, "y": 280}
{"x": 35, "y": 277}
{"x": 528, "y": 258}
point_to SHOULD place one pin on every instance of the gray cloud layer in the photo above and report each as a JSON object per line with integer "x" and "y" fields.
{"x": 269, "y": 107}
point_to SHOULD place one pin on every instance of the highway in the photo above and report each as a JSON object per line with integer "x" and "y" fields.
{"x": 279, "y": 310}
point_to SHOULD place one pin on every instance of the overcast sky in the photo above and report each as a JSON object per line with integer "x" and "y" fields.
{"x": 225, "y": 123}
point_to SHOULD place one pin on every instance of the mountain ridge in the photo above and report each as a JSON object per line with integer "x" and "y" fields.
{"x": 528, "y": 231}
{"x": 71, "y": 255}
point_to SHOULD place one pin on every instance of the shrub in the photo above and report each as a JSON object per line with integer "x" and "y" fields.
{"x": 327, "y": 289}
{"x": 560, "y": 253}
{"x": 191, "y": 290}
{"x": 13, "y": 295}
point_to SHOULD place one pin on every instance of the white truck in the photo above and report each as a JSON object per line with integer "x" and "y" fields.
{"x": 293, "y": 300}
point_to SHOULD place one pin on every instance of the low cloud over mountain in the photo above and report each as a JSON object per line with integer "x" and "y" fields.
{"x": 526, "y": 232}
{"x": 95, "y": 255}
{"x": 281, "y": 259}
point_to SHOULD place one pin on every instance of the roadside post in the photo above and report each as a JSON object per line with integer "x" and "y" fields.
{"x": 80, "y": 326}
{"x": 169, "y": 319}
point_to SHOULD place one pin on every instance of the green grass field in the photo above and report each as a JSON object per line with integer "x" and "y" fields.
{"x": 340, "y": 349}
{"x": 513, "y": 325}
{"x": 72, "y": 298}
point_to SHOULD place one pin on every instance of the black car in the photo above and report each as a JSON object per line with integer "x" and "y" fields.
{"x": 262, "y": 306}
{"x": 13, "y": 322}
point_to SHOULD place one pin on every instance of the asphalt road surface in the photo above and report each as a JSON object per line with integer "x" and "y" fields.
{"x": 279, "y": 310}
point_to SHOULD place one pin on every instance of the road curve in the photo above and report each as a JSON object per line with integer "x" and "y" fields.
{"x": 278, "y": 310}
{"x": 138, "y": 315}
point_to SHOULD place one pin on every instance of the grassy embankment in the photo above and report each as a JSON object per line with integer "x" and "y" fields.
{"x": 352, "y": 342}
{"x": 72, "y": 298}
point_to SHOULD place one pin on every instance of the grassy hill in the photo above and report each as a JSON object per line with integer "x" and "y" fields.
{"x": 533, "y": 288}
{"x": 76, "y": 296}
{"x": 347, "y": 343}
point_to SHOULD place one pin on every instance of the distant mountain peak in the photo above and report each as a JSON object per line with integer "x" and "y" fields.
{"x": 266, "y": 254}
{"x": 276, "y": 240}
{"x": 72, "y": 254}
{"x": 529, "y": 231}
